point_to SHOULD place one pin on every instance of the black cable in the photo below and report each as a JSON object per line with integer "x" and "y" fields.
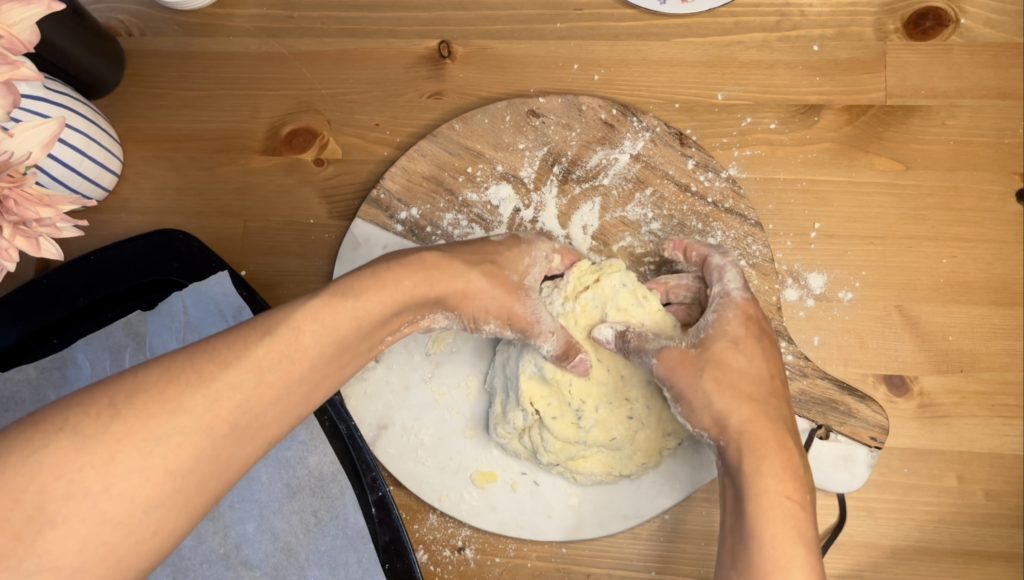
{"x": 837, "y": 528}
{"x": 810, "y": 438}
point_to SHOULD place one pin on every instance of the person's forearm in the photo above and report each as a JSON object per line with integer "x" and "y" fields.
{"x": 146, "y": 453}
{"x": 768, "y": 523}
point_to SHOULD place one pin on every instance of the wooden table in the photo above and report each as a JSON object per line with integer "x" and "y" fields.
{"x": 900, "y": 156}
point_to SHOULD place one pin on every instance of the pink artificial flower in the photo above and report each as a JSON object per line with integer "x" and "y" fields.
{"x": 32, "y": 217}
{"x": 13, "y": 68}
{"x": 29, "y": 142}
{"x": 18, "y": 31}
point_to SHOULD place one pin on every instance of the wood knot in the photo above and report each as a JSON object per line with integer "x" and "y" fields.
{"x": 929, "y": 23}
{"x": 899, "y": 386}
{"x": 299, "y": 140}
{"x": 304, "y": 135}
{"x": 1020, "y": 196}
{"x": 446, "y": 50}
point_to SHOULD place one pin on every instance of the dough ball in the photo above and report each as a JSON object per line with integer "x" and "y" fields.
{"x": 612, "y": 425}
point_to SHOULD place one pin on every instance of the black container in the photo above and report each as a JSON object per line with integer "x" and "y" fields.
{"x": 76, "y": 49}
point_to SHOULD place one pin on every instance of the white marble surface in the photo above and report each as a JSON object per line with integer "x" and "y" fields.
{"x": 839, "y": 464}
{"x": 679, "y": 6}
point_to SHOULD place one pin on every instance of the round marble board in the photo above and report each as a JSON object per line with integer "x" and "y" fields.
{"x": 611, "y": 181}
{"x": 679, "y": 6}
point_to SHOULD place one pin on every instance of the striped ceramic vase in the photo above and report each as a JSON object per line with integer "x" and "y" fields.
{"x": 87, "y": 159}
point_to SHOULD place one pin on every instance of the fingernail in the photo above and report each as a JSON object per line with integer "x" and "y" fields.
{"x": 604, "y": 334}
{"x": 580, "y": 366}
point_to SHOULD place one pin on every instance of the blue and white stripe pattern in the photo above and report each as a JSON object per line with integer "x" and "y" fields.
{"x": 87, "y": 159}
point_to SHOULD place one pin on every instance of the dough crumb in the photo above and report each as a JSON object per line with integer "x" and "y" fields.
{"x": 439, "y": 342}
{"x": 483, "y": 479}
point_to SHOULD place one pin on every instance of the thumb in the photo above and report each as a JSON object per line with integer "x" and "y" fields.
{"x": 556, "y": 345}
{"x": 639, "y": 346}
{"x": 569, "y": 354}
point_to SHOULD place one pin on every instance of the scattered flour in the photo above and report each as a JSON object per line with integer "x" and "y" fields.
{"x": 583, "y": 224}
{"x": 807, "y": 289}
{"x": 448, "y": 548}
{"x": 557, "y": 190}
{"x": 816, "y": 282}
{"x": 547, "y": 213}
{"x": 531, "y": 163}
{"x": 537, "y": 199}
{"x": 792, "y": 294}
{"x": 617, "y": 159}
{"x": 503, "y": 197}
{"x": 445, "y": 545}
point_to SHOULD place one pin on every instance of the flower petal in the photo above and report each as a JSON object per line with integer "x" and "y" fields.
{"x": 35, "y": 137}
{"x": 17, "y": 68}
{"x": 51, "y": 250}
{"x": 18, "y": 31}
{"x": 10, "y": 98}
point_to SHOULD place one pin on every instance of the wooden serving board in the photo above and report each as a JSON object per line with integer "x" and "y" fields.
{"x": 613, "y": 181}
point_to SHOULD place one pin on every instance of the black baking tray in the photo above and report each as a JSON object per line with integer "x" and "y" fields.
{"x": 52, "y": 312}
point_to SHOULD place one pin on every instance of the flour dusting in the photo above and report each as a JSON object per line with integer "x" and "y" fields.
{"x": 503, "y": 197}
{"x": 593, "y": 190}
{"x": 583, "y": 224}
{"x": 816, "y": 282}
{"x": 545, "y": 204}
{"x": 806, "y": 288}
{"x": 616, "y": 161}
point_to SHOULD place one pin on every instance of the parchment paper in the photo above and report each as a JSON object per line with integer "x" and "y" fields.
{"x": 294, "y": 515}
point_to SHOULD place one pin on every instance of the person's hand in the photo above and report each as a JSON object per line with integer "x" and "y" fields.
{"x": 725, "y": 377}
{"x": 491, "y": 287}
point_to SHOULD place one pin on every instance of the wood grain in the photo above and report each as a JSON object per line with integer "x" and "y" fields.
{"x": 915, "y": 203}
{"x": 606, "y": 20}
{"x": 951, "y": 73}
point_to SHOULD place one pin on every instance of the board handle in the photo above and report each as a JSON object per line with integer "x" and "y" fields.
{"x": 829, "y": 401}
